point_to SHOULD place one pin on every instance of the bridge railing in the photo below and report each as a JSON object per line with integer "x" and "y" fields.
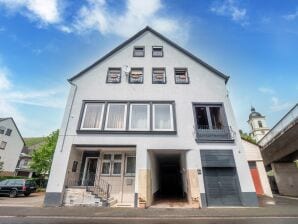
{"x": 281, "y": 126}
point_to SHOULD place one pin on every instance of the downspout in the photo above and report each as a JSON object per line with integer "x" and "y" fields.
{"x": 70, "y": 109}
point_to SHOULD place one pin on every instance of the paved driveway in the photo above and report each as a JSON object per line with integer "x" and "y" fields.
{"x": 34, "y": 200}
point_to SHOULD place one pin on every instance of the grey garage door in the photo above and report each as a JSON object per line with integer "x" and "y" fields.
{"x": 221, "y": 186}
{"x": 220, "y": 178}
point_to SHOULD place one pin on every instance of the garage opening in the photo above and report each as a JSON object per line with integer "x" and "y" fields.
{"x": 169, "y": 179}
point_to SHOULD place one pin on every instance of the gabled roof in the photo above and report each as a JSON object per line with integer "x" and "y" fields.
{"x": 6, "y": 118}
{"x": 171, "y": 43}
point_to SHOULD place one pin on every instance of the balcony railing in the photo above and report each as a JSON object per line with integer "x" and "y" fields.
{"x": 205, "y": 133}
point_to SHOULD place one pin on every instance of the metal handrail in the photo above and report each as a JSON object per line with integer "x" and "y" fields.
{"x": 91, "y": 182}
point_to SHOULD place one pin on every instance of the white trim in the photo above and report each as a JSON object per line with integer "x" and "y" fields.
{"x": 171, "y": 117}
{"x": 148, "y": 117}
{"x": 124, "y": 117}
{"x": 100, "y": 121}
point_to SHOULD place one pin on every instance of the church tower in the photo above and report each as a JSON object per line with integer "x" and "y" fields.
{"x": 258, "y": 125}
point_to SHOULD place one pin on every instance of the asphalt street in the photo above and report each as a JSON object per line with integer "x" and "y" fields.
{"x": 157, "y": 220}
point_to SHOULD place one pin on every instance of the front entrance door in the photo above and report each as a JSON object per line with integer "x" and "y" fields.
{"x": 221, "y": 185}
{"x": 90, "y": 171}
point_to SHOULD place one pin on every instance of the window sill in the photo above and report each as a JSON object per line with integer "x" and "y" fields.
{"x": 127, "y": 132}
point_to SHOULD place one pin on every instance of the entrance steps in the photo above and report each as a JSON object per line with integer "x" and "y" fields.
{"x": 81, "y": 197}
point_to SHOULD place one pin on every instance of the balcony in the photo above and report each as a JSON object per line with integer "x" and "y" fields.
{"x": 206, "y": 134}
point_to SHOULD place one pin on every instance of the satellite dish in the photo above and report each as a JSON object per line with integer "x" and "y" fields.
{"x": 126, "y": 69}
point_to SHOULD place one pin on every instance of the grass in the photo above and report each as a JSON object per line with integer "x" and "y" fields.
{"x": 34, "y": 141}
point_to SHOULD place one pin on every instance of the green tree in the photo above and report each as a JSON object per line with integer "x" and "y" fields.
{"x": 247, "y": 137}
{"x": 43, "y": 156}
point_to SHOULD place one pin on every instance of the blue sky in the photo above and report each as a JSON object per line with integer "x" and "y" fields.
{"x": 42, "y": 43}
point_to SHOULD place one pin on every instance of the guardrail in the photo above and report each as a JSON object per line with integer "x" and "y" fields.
{"x": 280, "y": 127}
{"x": 223, "y": 133}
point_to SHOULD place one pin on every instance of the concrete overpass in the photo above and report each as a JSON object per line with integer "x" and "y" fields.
{"x": 279, "y": 148}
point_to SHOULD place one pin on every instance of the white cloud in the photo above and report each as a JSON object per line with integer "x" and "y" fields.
{"x": 266, "y": 90}
{"x": 279, "y": 106}
{"x": 230, "y": 9}
{"x": 46, "y": 11}
{"x": 291, "y": 16}
{"x": 96, "y": 15}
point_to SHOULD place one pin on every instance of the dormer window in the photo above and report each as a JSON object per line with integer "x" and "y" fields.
{"x": 157, "y": 51}
{"x": 114, "y": 75}
{"x": 158, "y": 75}
{"x": 181, "y": 76}
{"x": 136, "y": 75}
{"x": 139, "y": 51}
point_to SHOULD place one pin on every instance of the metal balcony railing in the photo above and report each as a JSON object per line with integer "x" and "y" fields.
{"x": 207, "y": 133}
{"x": 284, "y": 124}
{"x": 91, "y": 182}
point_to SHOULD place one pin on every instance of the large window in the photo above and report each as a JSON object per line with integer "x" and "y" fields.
{"x": 209, "y": 117}
{"x": 116, "y": 116}
{"x": 162, "y": 117}
{"x": 3, "y": 145}
{"x": 139, "y": 51}
{"x": 181, "y": 76}
{"x": 125, "y": 117}
{"x": 136, "y": 75}
{"x": 92, "y": 118}
{"x": 114, "y": 75}
{"x": 139, "y": 117}
{"x": 158, "y": 75}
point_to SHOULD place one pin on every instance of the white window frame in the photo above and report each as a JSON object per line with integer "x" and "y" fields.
{"x": 148, "y": 117}
{"x": 106, "y": 160}
{"x": 111, "y": 161}
{"x": 101, "y": 116}
{"x": 124, "y": 116}
{"x": 117, "y": 161}
{"x": 126, "y": 173}
{"x": 171, "y": 115}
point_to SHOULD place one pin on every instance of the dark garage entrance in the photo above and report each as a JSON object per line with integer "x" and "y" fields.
{"x": 220, "y": 178}
{"x": 169, "y": 177}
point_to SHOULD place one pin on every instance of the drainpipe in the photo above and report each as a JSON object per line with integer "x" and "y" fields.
{"x": 68, "y": 118}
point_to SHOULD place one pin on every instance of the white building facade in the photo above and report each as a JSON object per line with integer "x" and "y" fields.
{"x": 11, "y": 145}
{"x": 150, "y": 121}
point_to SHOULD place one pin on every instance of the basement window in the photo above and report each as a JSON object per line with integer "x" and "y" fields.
{"x": 157, "y": 51}
{"x": 181, "y": 76}
{"x": 136, "y": 76}
{"x": 139, "y": 51}
{"x": 114, "y": 75}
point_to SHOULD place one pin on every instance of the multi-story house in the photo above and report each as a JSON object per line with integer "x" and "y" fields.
{"x": 11, "y": 145}
{"x": 149, "y": 121}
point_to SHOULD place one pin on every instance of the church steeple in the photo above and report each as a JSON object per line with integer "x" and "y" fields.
{"x": 257, "y": 123}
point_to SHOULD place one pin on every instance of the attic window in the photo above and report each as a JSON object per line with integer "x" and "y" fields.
{"x": 157, "y": 51}
{"x": 136, "y": 75}
{"x": 158, "y": 76}
{"x": 114, "y": 75}
{"x": 8, "y": 132}
{"x": 139, "y": 51}
{"x": 2, "y": 130}
{"x": 181, "y": 76}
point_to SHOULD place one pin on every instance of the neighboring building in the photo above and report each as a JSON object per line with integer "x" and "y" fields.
{"x": 149, "y": 121}
{"x": 11, "y": 145}
{"x": 257, "y": 168}
{"x": 257, "y": 123}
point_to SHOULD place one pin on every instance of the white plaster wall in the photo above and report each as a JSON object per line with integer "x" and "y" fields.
{"x": 10, "y": 155}
{"x": 204, "y": 86}
{"x": 264, "y": 178}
